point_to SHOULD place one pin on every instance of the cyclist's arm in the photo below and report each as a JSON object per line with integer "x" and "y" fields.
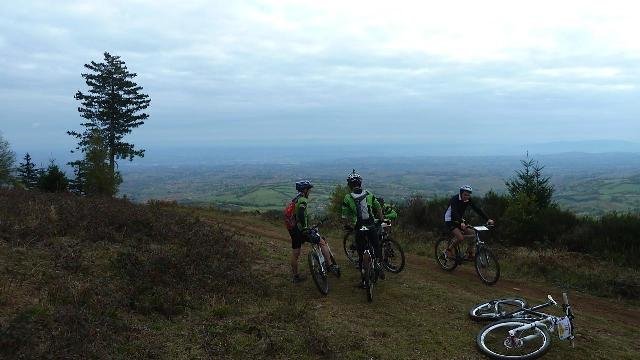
{"x": 301, "y": 215}
{"x": 390, "y": 213}
{"x": 377, "y": 209}
{"x": 479, "y": 211}
{"x": 348, "y": 211}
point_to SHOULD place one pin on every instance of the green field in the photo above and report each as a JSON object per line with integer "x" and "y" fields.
{"x": 582, "y": 187}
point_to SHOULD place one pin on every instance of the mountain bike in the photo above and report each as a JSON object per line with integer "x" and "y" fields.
{"x": 525, "y": 332}
{"x": 369, "y": 270}
{"x": 317, "y": 264}
{"x": 486, "y": 263}
{"x": 392, "y": 254}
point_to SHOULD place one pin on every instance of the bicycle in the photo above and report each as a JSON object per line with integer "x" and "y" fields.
{"x": 317, "y": 265}
{"x": 526, "y": 334}
{"x": 486, "y": 263}
{"x": 393, "y": 259}
{"x": 369, "y": 270}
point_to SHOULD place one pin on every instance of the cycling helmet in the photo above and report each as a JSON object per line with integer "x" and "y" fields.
{"x": 303, "y": 185}
{"x": 354, "y": 178}
{"x": 466, "y": 188}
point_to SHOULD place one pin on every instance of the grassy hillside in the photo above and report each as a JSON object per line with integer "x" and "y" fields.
{"x": 90, "y": 278}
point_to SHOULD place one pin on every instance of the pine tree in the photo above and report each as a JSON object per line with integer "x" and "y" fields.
{"x": 7, "y": 161}
{"x": 531, "y": 183}
{"x": 53, "y": 179}
{"x": 27, "y": 173}
{"x": 93, "y": 175}
{"x": 113, "y": 107}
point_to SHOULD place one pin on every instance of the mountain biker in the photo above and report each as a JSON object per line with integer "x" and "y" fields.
{"x": 301, "y": 232}
{"x": 453, "y": 219}
{"x": 361, "y": 208}
{"x": 387, "y": 210}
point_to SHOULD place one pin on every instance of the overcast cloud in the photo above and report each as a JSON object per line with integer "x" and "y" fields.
{"x": 249, "y": 72}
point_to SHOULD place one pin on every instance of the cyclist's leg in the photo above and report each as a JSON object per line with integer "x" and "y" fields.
{"x": 360, "y": 243}
{"x": 325, "y": 252}
{"x": 469, "y": 235}
{"x": 458, "y": 237}
{"x": 296, "y": 244}
{"x": 374, "y": 238}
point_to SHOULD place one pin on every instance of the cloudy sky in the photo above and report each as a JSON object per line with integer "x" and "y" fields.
{"x": 265, "y": 72}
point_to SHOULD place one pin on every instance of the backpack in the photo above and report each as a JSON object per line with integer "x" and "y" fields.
{"x": 290, "y": 220}
{"x": 362, "y": 208}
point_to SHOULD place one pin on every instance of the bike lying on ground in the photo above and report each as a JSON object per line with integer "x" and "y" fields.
{"x": 486, "y": 263}
{"x": 521, "y": 332}
{"x": 392, "y": 254}
{"x": 317, "y": 264}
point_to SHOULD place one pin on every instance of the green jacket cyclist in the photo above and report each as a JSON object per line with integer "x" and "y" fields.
{"x": 361, "y": 208}
{"x": 388, "y": 211}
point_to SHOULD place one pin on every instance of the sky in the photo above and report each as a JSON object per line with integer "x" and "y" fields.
{"x": 331, "y": 72}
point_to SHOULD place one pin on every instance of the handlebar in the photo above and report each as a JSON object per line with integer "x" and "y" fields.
{"x": 317, "y": 225}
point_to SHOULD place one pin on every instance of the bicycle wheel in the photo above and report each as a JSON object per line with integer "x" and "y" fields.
{"x": 497, "y": 308}
{"x": 352, "y": 254}
{"x": 494, "y": 341}
{"x": 446, "y": 262}
{"x": 319, "y": 277}
{"x": 487, "y": 266}
{"x": 392, "y": 256}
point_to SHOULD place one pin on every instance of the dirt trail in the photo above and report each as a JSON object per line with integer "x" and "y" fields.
{"x": 419, "y": 307}
{"x": 535, "y": 292}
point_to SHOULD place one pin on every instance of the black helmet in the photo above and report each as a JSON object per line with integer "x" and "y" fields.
{"x": 354, "y": 179}
{"x": 303, "y": 185}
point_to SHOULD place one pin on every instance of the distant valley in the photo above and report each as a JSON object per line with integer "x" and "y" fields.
{"x": 585, "y": 183}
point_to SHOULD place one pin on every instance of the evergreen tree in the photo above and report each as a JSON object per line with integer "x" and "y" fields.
{"x": 76, "y": 185}
{"x": 93, "y": 175}
{"x": 113, "y": 107}
{"x": 531, "y": 183}
{"x": 27, "y": 173}
{"x": 7, "y": 161}
{"x": 336, "y": 199}
{"x": 53, "y": 179}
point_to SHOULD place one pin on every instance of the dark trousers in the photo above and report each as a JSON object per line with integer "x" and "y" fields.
{"x": 361, "y": 241}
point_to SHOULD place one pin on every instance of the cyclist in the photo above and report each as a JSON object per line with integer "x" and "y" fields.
{"x": 453, "y": 218}
{"x": 301, "y": 232}
{"x": 361, "y": 208}
{"x": 387, "y": 210}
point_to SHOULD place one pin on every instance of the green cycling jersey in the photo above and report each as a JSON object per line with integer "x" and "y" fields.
{"x": 349, "y": 207}
{"x": 302, "y": 217}
{"x": 389, "y": 212}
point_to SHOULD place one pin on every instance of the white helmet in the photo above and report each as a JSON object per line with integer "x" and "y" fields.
{"x": 466, "y": 188}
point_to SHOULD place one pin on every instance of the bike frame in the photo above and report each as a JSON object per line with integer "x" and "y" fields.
{"x": 367, "y": 250}
{"x": 531, "y": 310}
{"x": 548, "y": 321}
{"x": 478, "y": 243}
{"x": 316, "y": 248}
